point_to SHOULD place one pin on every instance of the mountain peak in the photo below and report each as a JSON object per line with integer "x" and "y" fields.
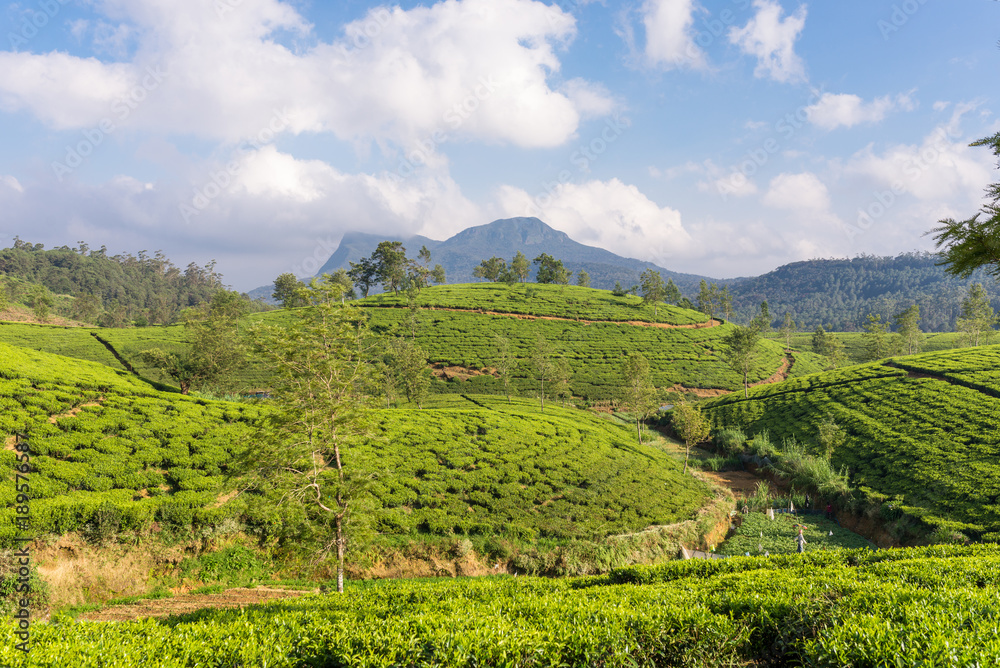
{"x": 507, "y": 232}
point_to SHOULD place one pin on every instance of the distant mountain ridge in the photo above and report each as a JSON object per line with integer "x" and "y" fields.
{"x": 462, "y": 253}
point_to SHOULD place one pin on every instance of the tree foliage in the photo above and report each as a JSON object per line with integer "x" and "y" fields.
{"x": 691, "y": 425}
{"x": 318, "y": 411}
{"x": 216, "y": 348}
{"x": 908, "y": 328}
{"x": 741, "y": 352}
{"x": 289, "y": 291}
{"x": 638, "y": 394}
{"x": 653, "y": 289}
{"x": 551, "y": 270}
{"x": 974, "y": 243}
{"x": 978, "y": 318}
{"x": 492, "y": 269}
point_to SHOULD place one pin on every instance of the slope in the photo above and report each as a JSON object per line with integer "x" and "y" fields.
{"x": 923, "y": 432}
{"x": 110, "y": 456}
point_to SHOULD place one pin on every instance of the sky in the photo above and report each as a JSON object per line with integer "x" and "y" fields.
{"x": 716, "y": 137}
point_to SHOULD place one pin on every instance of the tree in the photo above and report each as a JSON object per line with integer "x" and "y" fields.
{"x": 691, "y": 426}
{"x": 830, "y": 435}
{"x": 726, "y": 303}
{"x": 86, "y": 307}
{"x": 787, "y": 329}
{"x": 317, "y": 413}
{"x": 977, "y": 318}
{"x": 289, "y": 291}
{"x": 390, "y": 262}
{"x": 42, "y": 302}
{"x": 708, "y": 297}
{"x": 437, "y": 274}
{"x": 907, "y": 326}
{"x": 340, "y": 279}
{"x": 876, "y": 338}
{"x": 653, "y": 289}
{"x": 551, "y": 270}
{"x": 562, "y": 373}
{"x": 490, "y": 270}
{"x": 408, "y": 362}
{"x": 506, "y": 363}
{"x": 542, "y": 365}
{"x": 637, "y": 391}
{"x": 672, "y": 294}
{"x": 519, "y": 267}
{"x": 216, "y": 349}
{"x": 762, "y": 321}
{"x": 583, "y": 279}
{"x": 364, "y": 273}
{"x": 973, "y": 243}
{"x": 741, "y": 352}
{"x": 4, "y": 300}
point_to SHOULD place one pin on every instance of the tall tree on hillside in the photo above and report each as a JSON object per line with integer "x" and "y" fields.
{"x": 977, "y": 318}
{"x": 787, "y": 329}
{"x": 316, "y": 413}
{"x": 520, "y": 267}
{"x": 908, "y": 327}
{"x": 583, "y": 279}
{"x": 215, "y": 347}
{"x": 42, "y": 302}
{"x": 341, "y": 279}
{"x": 637, "y": 392}
{"x": 5, "y": 300}
{"x": 672, "y": 294}
{"x": 551, "y": 270}
{"x": 542, "y": 365}
{"x": 505, "y": 362}
{"x": 876, "y": 338}
{"x": 726, "y": 303}
{"x": 741, "y": 352}
{"x": 391, "y": 265}
{"x": 490, "y": 270}
{"x": 364, "y": 273}
{"x": 708, "y": 298}
{"x": 652, "y": 287}
{"x": 762, "y": 321}
{"x": 289, "y": 291}
{"x": 87, "y": 307}
{"x": 691, "y": 425}
{"x": 409, "y": 364}
{"x": 974, "y": 243}
{"x": 562, "y": 374}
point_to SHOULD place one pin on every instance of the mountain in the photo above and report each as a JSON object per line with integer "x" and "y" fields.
{"x": 839, "y": 293}
{"x": 460, "y": 254}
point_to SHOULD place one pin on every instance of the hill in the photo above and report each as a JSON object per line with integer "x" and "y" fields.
{"x": 839, "y": 294}
{"x": 110, "y": 290}
{"x": 457, "y": 324}
{"x": 922, "y": 432}
{"x": 460, "y": 254}
{"x": 113, "y": 456}
{"x": 930, "y": 606}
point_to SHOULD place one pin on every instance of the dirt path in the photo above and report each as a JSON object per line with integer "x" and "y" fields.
{"x": 163, "y": 607}
{"x": 740, "y": 483}
{"x": 525, "y": 316}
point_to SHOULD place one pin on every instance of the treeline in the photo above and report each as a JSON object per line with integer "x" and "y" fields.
{"x": 839, "y": 295}
{"x": 108, "y": 290}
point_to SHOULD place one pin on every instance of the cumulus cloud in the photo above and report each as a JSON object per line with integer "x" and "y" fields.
{"x": 609, "y": 214}
{"x": 797, "y": 192}
{"x": 669, "y": 36}
{"x": 476, "y": 69}
{"x": 832, "y": 111}
{"x": 271, "y": 214}
{"x": 771, "y": 39}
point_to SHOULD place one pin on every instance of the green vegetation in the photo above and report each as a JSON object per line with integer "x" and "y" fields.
{"x": 757, "y": 534}
{"x": 924, "y": 446}
{"x": 113, "y": 456}
{"x": 560, "y": 301}
{"x": 931, "y": 606}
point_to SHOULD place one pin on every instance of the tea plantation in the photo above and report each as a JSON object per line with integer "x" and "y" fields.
{"x": 917, "y": 607}
{"x": 112, "y": 455}
{"x": 922, "y": 432}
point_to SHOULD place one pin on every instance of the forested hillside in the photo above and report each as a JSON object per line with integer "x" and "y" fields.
{"x": 839, "y": 294}
{"x": 110, "y": 290}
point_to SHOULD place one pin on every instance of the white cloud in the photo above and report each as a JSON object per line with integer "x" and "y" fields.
{"x": 609, "y": 214}
{"x": 669, "y": 37}
{"x": 11, "y": 182}
{"x": 833, "y": 111}
{"x": 476, "y": 69}
{"x": 771, "y": 40}
{"x": 798, "y": 192}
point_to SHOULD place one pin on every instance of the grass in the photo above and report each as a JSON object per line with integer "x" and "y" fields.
{"x": 757, "y": 534}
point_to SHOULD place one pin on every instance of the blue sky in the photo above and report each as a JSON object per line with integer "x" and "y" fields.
{"x": 721, "y": 137}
